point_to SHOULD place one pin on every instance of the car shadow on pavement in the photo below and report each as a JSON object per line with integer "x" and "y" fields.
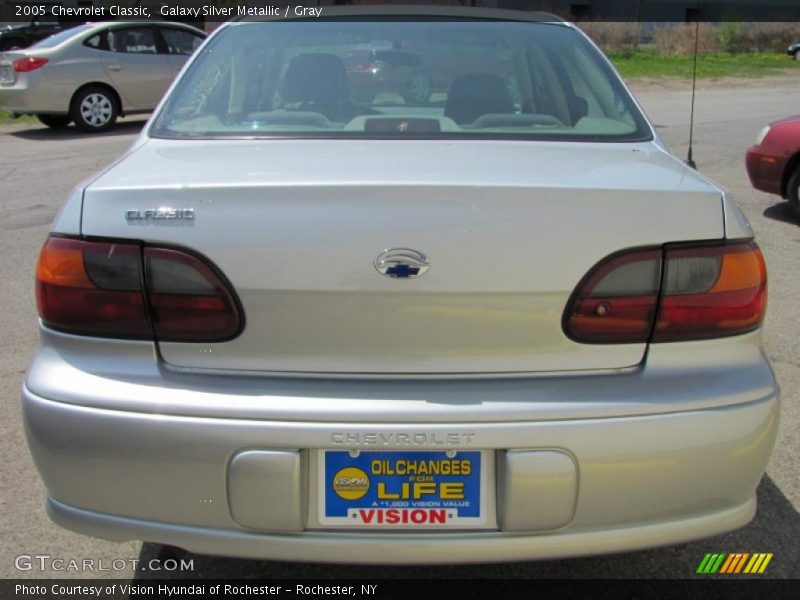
{"x": 41, "y": 133}
{"x": 781, "y": 212}
{"x": 776, "y": 529}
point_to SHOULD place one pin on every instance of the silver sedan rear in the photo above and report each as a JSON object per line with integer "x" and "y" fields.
{"x": 96, "y": 72}
{"x": 498, "y": 323}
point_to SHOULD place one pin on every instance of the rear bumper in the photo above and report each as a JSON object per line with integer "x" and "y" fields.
{"x": 33, "y": 94}
{"x": 401, "y": 548}
{"x": 162, "y": 474}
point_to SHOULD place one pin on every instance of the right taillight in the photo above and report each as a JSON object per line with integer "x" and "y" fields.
{"x": 711, "y": 291}
{"x": 672, "y": 294}
{"x": 128, "y": 290}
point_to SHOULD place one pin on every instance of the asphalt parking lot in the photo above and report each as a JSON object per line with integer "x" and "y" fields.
{"x": 38, "y": 167}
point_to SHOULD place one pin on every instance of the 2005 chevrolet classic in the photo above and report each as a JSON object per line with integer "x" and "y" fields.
{"x": 490, "y": 322}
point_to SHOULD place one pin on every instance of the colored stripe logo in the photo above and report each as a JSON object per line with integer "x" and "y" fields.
{"x": 734, "y": 563}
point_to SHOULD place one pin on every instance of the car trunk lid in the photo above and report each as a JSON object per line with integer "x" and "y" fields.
{"x": 509, "y": 228}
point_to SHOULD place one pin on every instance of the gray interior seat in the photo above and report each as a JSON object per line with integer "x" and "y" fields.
{"x": 472, "y": 95}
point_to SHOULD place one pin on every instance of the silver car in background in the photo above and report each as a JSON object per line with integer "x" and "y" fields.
{"x": 498, "y": 323}
{"x": 93, "y": 73}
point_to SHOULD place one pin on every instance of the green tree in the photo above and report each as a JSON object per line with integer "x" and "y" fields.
{"x": 730, "y": 36}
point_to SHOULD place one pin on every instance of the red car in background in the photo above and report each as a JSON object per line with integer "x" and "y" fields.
{"x": 773, "y": 164}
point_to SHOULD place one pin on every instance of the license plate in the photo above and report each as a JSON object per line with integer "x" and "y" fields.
{"x": 402, "y": 489}
{"x": 6, "y": 75}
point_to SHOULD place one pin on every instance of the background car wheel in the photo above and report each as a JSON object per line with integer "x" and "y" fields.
{"x": 418, "y": 89}
{"x": 54, "y": 121}
{"x": 94, "y": 109}
{"x": 793, "y": 192}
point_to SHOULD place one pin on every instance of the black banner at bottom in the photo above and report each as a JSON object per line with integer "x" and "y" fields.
{"x": 405, "y": 589}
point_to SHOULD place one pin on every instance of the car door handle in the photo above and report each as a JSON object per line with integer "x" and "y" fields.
{"x": 115, "y": 67}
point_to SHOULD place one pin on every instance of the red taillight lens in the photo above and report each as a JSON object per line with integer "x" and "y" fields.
{"x": 91, "y": 288}
{"x": 31, "y": 63}
{"x": 190, "y": 301}
{"x": 102, "y": 289}
{"x": 712, "y": 292}
{"x": 706, "y": 292}
{"x": 616, "y": 302}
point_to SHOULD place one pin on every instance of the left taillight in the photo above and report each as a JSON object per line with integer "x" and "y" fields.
{"x": 30, "y": 63}
{"x": 189, "y": 300}
{"x": 92, "y": 288}
{"x": 128, "y": 290}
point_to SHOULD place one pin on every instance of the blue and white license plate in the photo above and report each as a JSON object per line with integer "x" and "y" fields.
{"x": 402, "y": 489}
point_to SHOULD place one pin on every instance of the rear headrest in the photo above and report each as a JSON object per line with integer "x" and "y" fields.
{"x": 317, "y": 77}
{"x": 474, "y": 94}
{"x": 126, "y": 41}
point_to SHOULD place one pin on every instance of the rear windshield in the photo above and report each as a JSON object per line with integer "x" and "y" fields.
{"x": 400, "y": 78}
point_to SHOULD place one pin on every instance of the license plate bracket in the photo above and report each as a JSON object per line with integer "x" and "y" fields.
{"x": 399, "y": 489}
{"x": 6, "y": 74}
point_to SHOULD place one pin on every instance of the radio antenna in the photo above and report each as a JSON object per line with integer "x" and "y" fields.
{"x": 690, "y": 157}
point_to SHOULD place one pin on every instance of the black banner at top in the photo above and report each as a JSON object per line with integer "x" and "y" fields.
{"x": 205, "y": 11}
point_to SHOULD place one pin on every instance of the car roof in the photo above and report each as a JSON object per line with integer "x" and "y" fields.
{"x": 87, "y": 30}
{"x": 149, "y": 22}
{"x": 438, "y": 11}
{"x": 96, "y": 25}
